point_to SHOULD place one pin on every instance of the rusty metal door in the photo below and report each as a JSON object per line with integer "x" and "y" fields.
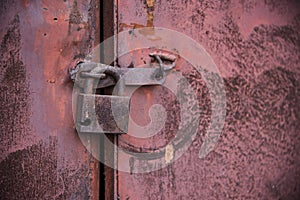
{"x": 41, "y": 154}
{"x": 255, "y": 46}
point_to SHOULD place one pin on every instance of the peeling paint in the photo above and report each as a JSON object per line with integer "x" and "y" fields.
{"x": 150, "y": 3}
{"x": 15, "y": 108}
{"x": 150, "y": 21}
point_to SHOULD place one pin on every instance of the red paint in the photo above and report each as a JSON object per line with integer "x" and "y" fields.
{"x": 255, "y": 46}
{"x": 41, "y": 154}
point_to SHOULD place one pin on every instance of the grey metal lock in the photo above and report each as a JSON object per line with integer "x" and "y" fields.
{"x": 93, "y": 112}
{"x": 110, "y": 113}
{"x": 96, "y": 115}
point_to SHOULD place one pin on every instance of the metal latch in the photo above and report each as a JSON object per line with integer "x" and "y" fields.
{"x": 98, "y": 113}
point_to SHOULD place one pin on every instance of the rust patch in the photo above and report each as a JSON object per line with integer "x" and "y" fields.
{"x": 76, "y": 22}
{"x": 33, "y": 173}
{"x": 150, "y": 3}
{"x": 257, "y": 155}
{"x": 150, "y": 22}
{"x": 55, "y": 167}
{"x": 75, "y": 16}
{"x": 51, "y": 81}
{"x": 14, "y": 93}
{"x": 150, "y": 11}
{"x": 124, "y": 26}
{"x": 29, "y": 173}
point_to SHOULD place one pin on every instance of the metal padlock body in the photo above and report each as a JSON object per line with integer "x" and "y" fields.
{"x": 97, "y": 116}
{"x": 109, "y": 113}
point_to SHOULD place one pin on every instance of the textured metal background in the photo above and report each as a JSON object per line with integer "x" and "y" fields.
{"x": 255, "y": 44}
{"x": 41, "y": 154}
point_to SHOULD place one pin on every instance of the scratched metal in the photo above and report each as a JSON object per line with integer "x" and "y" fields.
{"x": 41, "y": 154}
{"x": 255, "y": 44}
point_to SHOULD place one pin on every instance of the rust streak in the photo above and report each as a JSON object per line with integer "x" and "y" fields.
{"x": 150, "y": 21}
{"x": 150, "y": 15}
{"x": 150, "y": 3}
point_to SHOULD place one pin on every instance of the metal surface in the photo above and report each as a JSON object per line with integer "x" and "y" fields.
{"x": 41, "y": 157}
{"x": 255, "y": 44}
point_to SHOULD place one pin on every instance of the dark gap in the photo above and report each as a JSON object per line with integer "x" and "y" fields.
{"x": 102, "y": 186}
{"x": 101, "y": 30}
{"x": 99, "y": 91}
{"x": 102, "y": 168}
{"x": 105, "y": 91}
{"x": 106, "y": 190}
{"x": 102, "y": 148}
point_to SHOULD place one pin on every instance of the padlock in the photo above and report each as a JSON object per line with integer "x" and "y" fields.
{"x": 97, "y": 113}
{"x": 110, "y": 113}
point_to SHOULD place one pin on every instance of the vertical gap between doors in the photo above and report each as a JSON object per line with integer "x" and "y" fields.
{"x": 107, "y": 174}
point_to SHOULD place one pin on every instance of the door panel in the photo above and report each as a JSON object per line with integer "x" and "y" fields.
{"x": 254, "y": 44}
{"x": 42, "y": 156}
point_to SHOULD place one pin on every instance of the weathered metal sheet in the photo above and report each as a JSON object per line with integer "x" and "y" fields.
{"x": 255, "y": 44}
{"x": 41, "y": 154}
